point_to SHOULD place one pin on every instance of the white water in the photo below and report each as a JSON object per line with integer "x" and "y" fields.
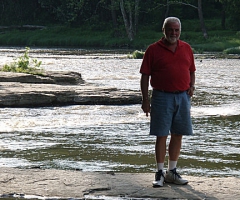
{"x": 116, "y": 137}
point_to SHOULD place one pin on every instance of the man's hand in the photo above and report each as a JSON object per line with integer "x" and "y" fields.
{"x": 191, "y": 91}
{"x": 146, "y": 106}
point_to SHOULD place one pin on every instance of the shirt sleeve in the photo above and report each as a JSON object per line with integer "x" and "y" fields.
{"x": 192, "y": 67}
{"x": 146, "y": 62}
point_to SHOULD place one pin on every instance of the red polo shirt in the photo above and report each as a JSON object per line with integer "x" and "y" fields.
{"x": 169, "y": 71}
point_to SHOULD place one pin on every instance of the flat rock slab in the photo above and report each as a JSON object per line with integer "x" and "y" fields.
{"x": 66, "y": 184}
{"x": 58, "y": 88}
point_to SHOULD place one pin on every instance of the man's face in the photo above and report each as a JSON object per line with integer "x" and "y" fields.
{"x": 172, "y": 32}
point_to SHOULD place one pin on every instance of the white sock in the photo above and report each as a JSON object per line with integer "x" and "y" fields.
{"x": 160, "y": 166}
{"x": 172, "y": 164}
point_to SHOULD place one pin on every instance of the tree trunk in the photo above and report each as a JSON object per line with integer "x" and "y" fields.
{"x": 126, "y": 22}
{"x": 130, "y": 19}
{"x": 200, "y": 14}
{"x": 167, "y": 10}
{"x": 136, "y": 16}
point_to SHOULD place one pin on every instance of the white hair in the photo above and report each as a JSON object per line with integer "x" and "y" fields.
{"x": 171, "y": 19}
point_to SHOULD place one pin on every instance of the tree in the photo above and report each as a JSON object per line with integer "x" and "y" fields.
{"x": 200, "y": 13}
{"x": 65, "y": 11}
{"x": 14, "y": 12}
{"x": 231, "y": 7}
{"x": 130, "y": 22}
{"x": 114, "y": 16}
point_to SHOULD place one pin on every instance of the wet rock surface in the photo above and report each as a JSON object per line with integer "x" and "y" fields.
{"x": 66, "y": 184}
{"x": 57, "y": 89}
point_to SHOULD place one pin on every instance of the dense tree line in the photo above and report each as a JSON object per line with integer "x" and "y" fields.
{"x": 117, "y": 15}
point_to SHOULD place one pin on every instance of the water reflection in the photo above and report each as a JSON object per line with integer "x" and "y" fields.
{"x": 115, "y": 138}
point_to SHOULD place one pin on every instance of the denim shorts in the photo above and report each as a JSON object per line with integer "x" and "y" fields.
{"x": 170, "y": 113}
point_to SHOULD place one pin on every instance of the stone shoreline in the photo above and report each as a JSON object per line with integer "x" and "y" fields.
{"x": 58, "y": 89}
{"x": 67, "y": 184}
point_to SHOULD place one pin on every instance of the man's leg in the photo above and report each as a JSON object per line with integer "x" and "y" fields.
{"x": 174, "y": 148}
{"x": 160, "y": 153}
{"x": 160, "y": 149}
{"x": 174, "y": 151}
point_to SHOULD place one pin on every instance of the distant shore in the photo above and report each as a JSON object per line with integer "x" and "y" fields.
{"x": 222, "y": 41}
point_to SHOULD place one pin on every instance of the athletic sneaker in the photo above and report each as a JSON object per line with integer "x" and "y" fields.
{"x": 173, "y": 177}
{"x": 159, "y": 179}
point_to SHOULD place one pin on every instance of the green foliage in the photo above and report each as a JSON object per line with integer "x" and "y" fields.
{"x": 217, "y": 41}
{"x": 64, "y": 11}
{"x": 215, "y": 46}
{"x": 24, "y": 64}
{"x": 234, "y": 50}
{"x": 136, "y": 54}
{"x": 64, "y": 36}
{"x": 100, "y": 13}
{"x": 233, "y": 12}
{"x": 198, "y": 51}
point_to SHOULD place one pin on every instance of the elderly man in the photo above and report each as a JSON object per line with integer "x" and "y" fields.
{"x": 169, "y": 64}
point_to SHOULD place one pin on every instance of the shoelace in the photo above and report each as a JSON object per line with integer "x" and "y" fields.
{"x": 175, "y": 173}
{"x": 159, "y": 174}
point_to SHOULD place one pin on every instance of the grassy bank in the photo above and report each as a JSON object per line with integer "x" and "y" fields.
{"x": 226, "y": 41}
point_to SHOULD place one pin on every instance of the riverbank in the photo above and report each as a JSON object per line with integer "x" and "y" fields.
{"x": 218, "y": 40}
{"x": 66, "y": 184}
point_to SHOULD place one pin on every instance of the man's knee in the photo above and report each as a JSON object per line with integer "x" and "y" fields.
{"x": 177, "y": 136}
{"x": 161, "y": 139}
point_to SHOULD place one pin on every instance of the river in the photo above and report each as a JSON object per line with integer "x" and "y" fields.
{"x": 115, "y": 138}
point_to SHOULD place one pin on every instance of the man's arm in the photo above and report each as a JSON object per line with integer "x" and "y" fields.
{"x": 192, "y": 83}
{"x": 144, "y": 89}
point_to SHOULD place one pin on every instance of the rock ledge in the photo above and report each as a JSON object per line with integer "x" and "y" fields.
{"x": 66, "y": 184}
{"x": 58, "y": 89}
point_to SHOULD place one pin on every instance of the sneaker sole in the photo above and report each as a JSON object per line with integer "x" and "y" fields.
{"x": 155, "y": 184}
{"x": 177, "y": 183}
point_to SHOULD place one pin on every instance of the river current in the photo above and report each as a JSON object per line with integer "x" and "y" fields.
{"x": 115, "y": 138}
